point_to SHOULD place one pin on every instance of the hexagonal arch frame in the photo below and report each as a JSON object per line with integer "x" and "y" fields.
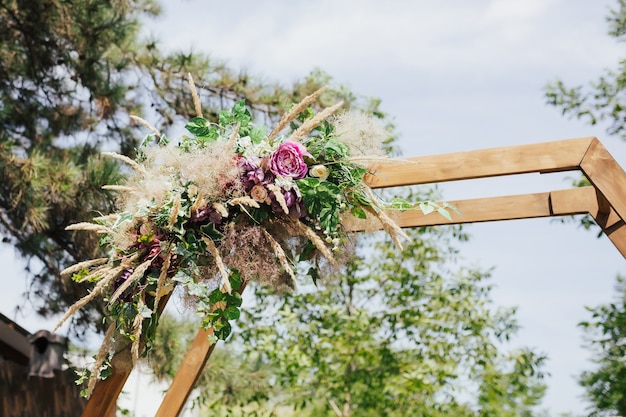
{"x": 604, "y": 201}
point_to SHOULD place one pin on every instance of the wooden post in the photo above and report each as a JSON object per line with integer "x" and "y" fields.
{"x": 189, "y": 372}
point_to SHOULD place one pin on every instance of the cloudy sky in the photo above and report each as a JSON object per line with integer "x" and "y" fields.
{"x": 455, "y": 75}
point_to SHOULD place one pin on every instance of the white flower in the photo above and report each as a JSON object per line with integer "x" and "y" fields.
{"x": 286, "y": 183}
{"x": 319, "y": 171}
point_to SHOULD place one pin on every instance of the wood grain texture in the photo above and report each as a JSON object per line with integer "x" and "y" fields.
{"x": 561, "y": 155}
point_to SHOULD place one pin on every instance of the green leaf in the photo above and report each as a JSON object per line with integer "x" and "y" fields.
{"x": 444, "y": 213}
{"x": 198, "y": 126}
{"x": 216, "y": 296}
{"x": 233, "y": 299}
{"x": 210, "y": 231}
{"x": 241, "y": 113}
{"x": 358, "y": 212}
{"x": 335, "y": 150}
{"x": 222, "y": 329}
{"x": 232, "y": 313}
{"x": 258, "y": 134}
{"x": 426, "y": 207}
{"x": 235, "y": 280}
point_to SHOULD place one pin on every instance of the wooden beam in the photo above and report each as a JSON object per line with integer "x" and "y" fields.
{"x": 187, "y": 375}
{"x": 523, "y": 206}
{"x": 564, "y": 155}
{"x": 583, "y": 200}
{"x": 188, "y": 372}
{"x": 605, "y": 201}
{"x": 103, "y": 400}
{"x": 606, "y": 175}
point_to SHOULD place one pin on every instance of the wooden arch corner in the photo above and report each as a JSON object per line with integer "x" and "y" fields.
{"x": 604, "y": 200}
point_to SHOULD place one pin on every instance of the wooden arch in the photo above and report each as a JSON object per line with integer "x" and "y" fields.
{"x": 604, "y": 200}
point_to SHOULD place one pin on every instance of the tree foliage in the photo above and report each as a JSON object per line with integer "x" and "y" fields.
{"x": 394, "y": 333}
{"x": 606, "y": 336}
{"x": 603, "y": 99}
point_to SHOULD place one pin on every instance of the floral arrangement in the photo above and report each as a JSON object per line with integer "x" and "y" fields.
{"x": 228, "y": 204}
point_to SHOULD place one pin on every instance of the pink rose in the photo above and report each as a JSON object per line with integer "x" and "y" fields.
{"x": 288, "y": 161}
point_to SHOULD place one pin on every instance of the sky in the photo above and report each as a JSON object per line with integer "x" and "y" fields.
{"x": 454, "y": 75}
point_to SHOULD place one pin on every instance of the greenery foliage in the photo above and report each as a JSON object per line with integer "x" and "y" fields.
{"x": 606, "y": 335}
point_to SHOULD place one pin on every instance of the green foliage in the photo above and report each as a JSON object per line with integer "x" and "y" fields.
{"x": 394, "y": 334}
{"x": 606, "y": 336}
{"x": 605, "y": 98}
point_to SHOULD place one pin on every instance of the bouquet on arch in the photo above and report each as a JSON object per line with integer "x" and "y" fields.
{"x": 229, "y": 203}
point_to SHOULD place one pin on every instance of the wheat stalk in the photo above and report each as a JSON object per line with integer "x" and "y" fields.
{"x": 82, "y": 265}
{"x": 124, "y": 188}
{"x": 310, "y": 124}
{"x": 280, "y": 254}
{"x": 224, "y": 282}
{"x": 137, "y": 328}
{"x": 305, "y": 230}
{"x": 136, "y": 275}
{"x": 244, "y": 201}
{"x": 194, "y": 96}
{"x": 89, "y": 227}
{"x": 294, "y": 112}
{"x": 161, "y": 280}
{"x": 279, "y": 197}
{"x": 102, "y": 355}
{"x": 97, "y": 289}
{"x": 147, "y": 125}
{"x": 126, "y": 160}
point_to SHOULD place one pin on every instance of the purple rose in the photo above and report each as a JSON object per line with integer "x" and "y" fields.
{"x": 288, "y": 161}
